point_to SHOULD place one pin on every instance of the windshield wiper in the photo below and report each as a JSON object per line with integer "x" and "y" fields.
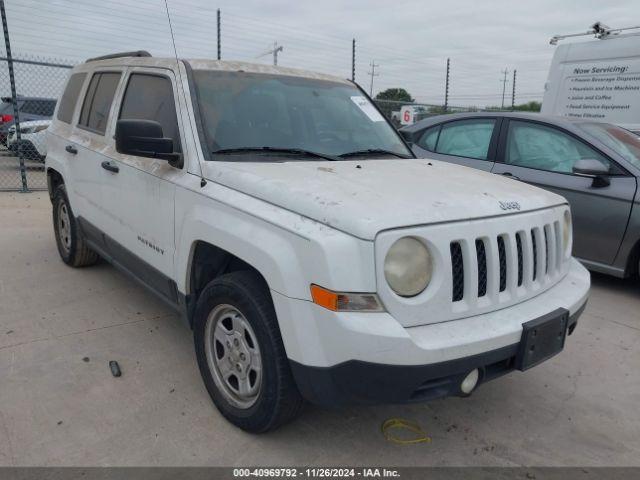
{"x": 372, "y": 150}
{"x": 293, "y": 151}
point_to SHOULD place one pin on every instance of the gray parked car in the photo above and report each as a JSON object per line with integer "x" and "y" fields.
{"x": 595, "y": 166}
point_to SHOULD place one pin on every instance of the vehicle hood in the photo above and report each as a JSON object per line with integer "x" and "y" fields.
{"x": 364, "y": 197}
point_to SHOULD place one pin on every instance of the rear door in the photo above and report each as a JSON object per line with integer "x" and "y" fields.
{"x": 471, "y": 142}
{"x": 543, "y": 155}
{"x": 84, "y": 146}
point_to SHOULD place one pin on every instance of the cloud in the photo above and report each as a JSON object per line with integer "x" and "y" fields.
{"x": 410, "y": 40}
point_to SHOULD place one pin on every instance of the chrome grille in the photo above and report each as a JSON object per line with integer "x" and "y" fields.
{"x": 481, "y": 253}
{"x": 502, "y": 256}
{"x": 457, "y": 268}
{"x": 518, "y": 263}
{"x": 520, "y": 259}
{"x": 535, "y": 254}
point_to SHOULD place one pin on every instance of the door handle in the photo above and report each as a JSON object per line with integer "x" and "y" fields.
{"x": 71, "y": 149}
{"x": 510, "y": 175}
{"x": 112, "y": 167}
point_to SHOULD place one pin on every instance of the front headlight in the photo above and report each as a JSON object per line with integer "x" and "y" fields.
{"x": 566, "y": 233}
{"x": 408, "y": 267}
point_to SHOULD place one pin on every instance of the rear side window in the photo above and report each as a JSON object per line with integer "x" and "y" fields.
{"x": 466, "y": 138}
{"x": 70, "y": 97}
{"x": 98, "y": 100}
{"x": 150, "y": 97}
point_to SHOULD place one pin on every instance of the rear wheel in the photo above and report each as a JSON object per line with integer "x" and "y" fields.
{"x": 71, "y": 244}
{"x": 241, "y": 355}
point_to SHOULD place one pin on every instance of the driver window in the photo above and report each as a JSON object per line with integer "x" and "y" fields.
{"x": 150, "y": 97}
{"x": 537, "y": 146}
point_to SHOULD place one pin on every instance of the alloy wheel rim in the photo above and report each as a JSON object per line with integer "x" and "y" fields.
{"x": 64, "y": 227}
{"x": 233, "y": 356}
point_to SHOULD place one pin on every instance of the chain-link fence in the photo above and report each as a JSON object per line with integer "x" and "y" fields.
{"x": 413, "y": 111}
{"x": 390, "y": 71}
{"x": 24, "y": 119}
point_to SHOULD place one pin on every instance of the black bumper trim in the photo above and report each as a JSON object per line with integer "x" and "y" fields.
{"x": 357, "y": 382}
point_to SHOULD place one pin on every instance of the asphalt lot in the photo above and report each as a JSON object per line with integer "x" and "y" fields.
{"x": 59, "y": 404}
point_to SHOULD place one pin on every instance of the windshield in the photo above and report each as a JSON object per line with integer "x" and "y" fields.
{"x": 247, "y": 110}
{"x": 618, "y": 139}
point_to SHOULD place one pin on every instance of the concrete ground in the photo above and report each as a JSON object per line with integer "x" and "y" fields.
{"x": 59, "y": 404}
{"x": 10, "y": 178}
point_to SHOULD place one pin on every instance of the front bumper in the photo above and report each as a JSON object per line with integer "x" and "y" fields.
{"x": 345, "y": 358}
{"x": 357, "y": 382}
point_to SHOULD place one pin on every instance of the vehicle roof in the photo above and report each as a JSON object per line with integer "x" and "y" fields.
{"x": 552, "y": 119}
{"x": 207, "y": 64}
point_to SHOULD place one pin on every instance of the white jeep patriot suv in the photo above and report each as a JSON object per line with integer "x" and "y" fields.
{"x": 311, "y": 253}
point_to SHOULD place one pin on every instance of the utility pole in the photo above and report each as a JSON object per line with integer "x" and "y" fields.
{"x": 373, "y": 73}
{"x": 513, "y": 91}
{"x": 14, "y": 96}
{"x": 446, "y": 89}
{"x": 276, "y": 48}
{"x": 504, "y": 84}
{"x": 353, "y": 60}
{"x": 219, "y": 51}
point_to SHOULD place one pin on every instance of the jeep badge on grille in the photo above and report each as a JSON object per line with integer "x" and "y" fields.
{"x": 509, "y": 205}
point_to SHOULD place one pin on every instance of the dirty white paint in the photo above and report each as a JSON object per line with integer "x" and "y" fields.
{"x": 381, "y": 194}
{"x": 329, "y": 223}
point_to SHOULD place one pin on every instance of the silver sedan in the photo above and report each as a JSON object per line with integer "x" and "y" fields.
{"x": 595, "y": 166}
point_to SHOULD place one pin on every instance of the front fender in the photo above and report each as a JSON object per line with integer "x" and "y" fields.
{"x": 290, "y": 251}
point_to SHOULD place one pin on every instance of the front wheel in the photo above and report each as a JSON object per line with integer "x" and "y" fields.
{"x": 241, "y": 355}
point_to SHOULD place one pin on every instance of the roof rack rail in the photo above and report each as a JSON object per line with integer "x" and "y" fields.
{"x": 599, "y": 30}
{"x": 137, "y": 53}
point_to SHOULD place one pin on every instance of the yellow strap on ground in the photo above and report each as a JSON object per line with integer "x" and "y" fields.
{"x": 393, "y": 423}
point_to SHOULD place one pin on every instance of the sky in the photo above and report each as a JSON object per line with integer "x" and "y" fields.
{"x": 409, "y": 40}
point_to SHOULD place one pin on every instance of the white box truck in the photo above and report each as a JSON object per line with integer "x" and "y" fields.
{"x": 597, "y": 79}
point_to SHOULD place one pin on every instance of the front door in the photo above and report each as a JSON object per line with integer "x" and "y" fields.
{"x": 140, "y": 191}
{"x": 544, "y": 155}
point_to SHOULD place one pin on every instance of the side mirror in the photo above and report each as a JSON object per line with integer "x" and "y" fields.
{"x": 408, "y": 137}
{"x": 144, "y": 138}
{"x": 590, "y": 167}
{"x": 593, "y": 168}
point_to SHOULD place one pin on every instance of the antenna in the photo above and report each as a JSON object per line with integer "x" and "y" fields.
{"x": 173, "y": 40}
{"x": 274, "y": 51}
{"x": 203, "y": 182}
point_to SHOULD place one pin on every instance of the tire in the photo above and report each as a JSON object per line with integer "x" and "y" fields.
{"x": 273, "y": 398}
{"x": 71, "y": 244}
